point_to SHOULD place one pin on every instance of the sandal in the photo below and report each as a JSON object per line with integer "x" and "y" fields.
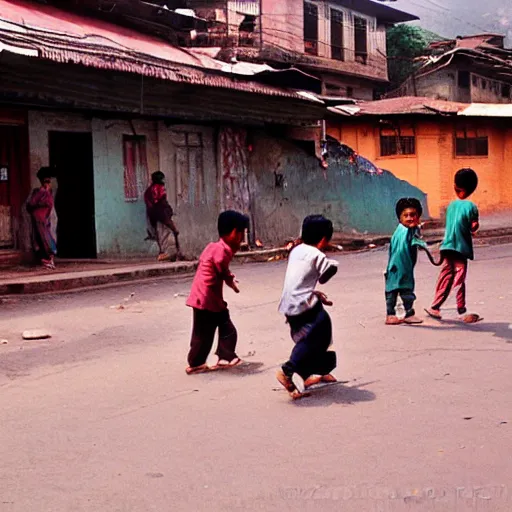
{"x": 192, "y": 370}
{"x": 472, "y": 318}
{"x": 222, "y": 364}
{"x": 433, "y": 313}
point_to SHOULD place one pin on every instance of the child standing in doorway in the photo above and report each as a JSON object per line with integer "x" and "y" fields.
{"x": 302, "y": 305}
{"x": 462, "y": 223}
{"x": 403, "y": 254}
{"x": 210, "y": 311}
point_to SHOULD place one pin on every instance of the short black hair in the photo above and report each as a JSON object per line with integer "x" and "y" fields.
{"x": 315, "y": 228}
{"x": 230, "y": 220}
{"x": 466, "y": 179}
{"x": 158, "y": 177}
{"x": 408, "y": 202}
{"x": 44, "y": 173}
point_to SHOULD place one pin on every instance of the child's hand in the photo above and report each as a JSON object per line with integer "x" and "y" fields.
{"x": 323, "y": 298}
{"x": 233, "y": 284}
{"x": 475, "y": 226}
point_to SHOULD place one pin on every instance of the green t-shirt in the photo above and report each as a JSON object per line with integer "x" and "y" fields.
{"x": 460, "y": 214}
{"x": 403, "y": 254}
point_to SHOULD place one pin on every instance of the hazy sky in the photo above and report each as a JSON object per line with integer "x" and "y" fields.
{"x": 450, "y": 18}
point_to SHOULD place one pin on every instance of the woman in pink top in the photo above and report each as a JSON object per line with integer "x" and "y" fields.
{"x": 39, "y": 206}
{"x": 206, "y": 297}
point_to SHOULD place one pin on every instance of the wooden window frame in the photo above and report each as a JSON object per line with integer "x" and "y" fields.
{"x": 405, "y": 145}
{"x": 469, "y": 142}
{"x": 136, "y": 170}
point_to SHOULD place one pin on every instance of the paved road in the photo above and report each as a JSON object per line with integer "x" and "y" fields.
{"x": 103, "y": 418}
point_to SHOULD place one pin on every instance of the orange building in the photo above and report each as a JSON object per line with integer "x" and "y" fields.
{"x": 425, "y": 141}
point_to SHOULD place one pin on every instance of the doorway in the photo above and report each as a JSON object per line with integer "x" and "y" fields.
{"x": 72, "y": 158}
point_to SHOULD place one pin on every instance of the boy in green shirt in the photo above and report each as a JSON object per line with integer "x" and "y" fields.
{"x": 457, "y": 247}
{"x": 403, "y": 253}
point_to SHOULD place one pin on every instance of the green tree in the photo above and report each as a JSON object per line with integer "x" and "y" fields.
{"x": 404, "y": 44}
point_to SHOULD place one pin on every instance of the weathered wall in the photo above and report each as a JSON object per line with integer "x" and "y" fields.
{"x": 39, "y": 125}
{"x": 197, "y": 223}
{"x": 433, "y": 166}
{"x": 283, "y": 24}
{"x": 120, "y": 224}
{"x": 352, "y": 200}
{"x": 440, "y": 85}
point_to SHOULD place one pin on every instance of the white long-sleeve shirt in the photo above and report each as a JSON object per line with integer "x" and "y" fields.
{"x": 306, "y": 265}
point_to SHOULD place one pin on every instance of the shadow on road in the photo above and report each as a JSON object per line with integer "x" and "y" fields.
{"x": 337, "y": 395}
{"x": 501, "y": 330}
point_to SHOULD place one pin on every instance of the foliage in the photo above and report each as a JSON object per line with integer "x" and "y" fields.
{"x": 404, "y": 44}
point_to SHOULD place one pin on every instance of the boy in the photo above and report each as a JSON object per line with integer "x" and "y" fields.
{"x": 403, "y": 254}
{"x": 457, "y": 247}
{"x": 159, "y": 214}
{"x": 310, "y": 325}
{"x": 206, "y": 297}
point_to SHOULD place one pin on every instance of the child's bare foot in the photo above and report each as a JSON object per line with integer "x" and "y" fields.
{"x": 312, "y": 381}
{"x": 434, "y": 313}
{"x": 191, "y": 370}
{"x": 329, "y": 378}
{"x": 413, "y": 320}
{"x": 393, "y": 320}
{"x": 285, "y": 381}
{"x": 163, "y": 257}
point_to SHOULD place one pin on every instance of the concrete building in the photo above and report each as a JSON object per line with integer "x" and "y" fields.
{"x": 339, "y": 41}
{"x": 425, "y": 141}
{"x": 471, "y": 69}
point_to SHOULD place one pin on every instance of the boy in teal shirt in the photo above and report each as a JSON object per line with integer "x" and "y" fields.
{"x": 403, "y": 253}
{"x": 457, "y": 248}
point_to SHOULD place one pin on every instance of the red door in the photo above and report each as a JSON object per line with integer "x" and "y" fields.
{"x": 14, "y": 185}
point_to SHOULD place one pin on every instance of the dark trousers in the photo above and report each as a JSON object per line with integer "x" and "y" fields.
{"x": 205, "y": 323}
{"x": 408, "y": 299}
{"x": 312, "y": 335}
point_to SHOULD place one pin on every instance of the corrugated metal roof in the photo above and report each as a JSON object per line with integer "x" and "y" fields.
{"x": 410, "y": 105}
{"x": 69, "y": 38}
{"x": 407, "y": 105}
{"x": 487, "y": 110}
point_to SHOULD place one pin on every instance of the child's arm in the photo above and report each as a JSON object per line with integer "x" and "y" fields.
{"x": 221, "y": 263}
{"x": 475, "y": 220}
{"x": 326, "y": 268}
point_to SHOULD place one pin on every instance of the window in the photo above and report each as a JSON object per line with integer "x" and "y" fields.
{"x": 190, "y": 186}
{"x": 337, "y": 49}
{"x": 484, "y": 84}
{"x": 310, "y": 28}
{"x": 350, "y": 92}
{"x": 474, "y": 80}
{"x": 135, "y": 161}
{"x": 505, "y": 90}
{"x": 471, "y": 142}
{"x": 397, "y": 141}
{"x": 247, "y": 31}
{"x": 464, "y": 79}
{"x": 361, "y": 39}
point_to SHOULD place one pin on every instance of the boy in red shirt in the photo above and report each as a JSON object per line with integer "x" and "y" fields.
{"x": 206, "y": 297}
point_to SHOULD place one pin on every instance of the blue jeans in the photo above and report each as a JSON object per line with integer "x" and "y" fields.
{"x": 408, "y": 299}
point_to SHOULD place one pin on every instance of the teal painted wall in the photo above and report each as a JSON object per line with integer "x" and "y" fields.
{"x": 352, "y": 200}
{"x": 120, "y": 224}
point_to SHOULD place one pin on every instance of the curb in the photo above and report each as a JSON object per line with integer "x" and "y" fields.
{"x": 59, "y": 283}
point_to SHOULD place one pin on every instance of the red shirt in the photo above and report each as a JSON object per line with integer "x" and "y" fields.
{"x": 40, "y": 204}
{"x": 154, "y": 194}
{"x": 213, "y": 270}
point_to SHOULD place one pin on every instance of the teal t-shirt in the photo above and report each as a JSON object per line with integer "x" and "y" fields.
{"x": 460, "y": 214}
{"x": 403, "y": 254}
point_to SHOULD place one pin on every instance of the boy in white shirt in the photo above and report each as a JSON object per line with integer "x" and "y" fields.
{"x": 310, "y": 325}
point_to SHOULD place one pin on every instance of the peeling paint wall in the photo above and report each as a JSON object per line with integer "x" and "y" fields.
{"x": 351, "y": 200}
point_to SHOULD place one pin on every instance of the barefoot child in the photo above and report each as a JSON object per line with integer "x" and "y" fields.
{"x": 206, "y": 297}
{"x": 457, "y": 247}
{"x": 403, "y": 254}
{"x": 310, "y": 325}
